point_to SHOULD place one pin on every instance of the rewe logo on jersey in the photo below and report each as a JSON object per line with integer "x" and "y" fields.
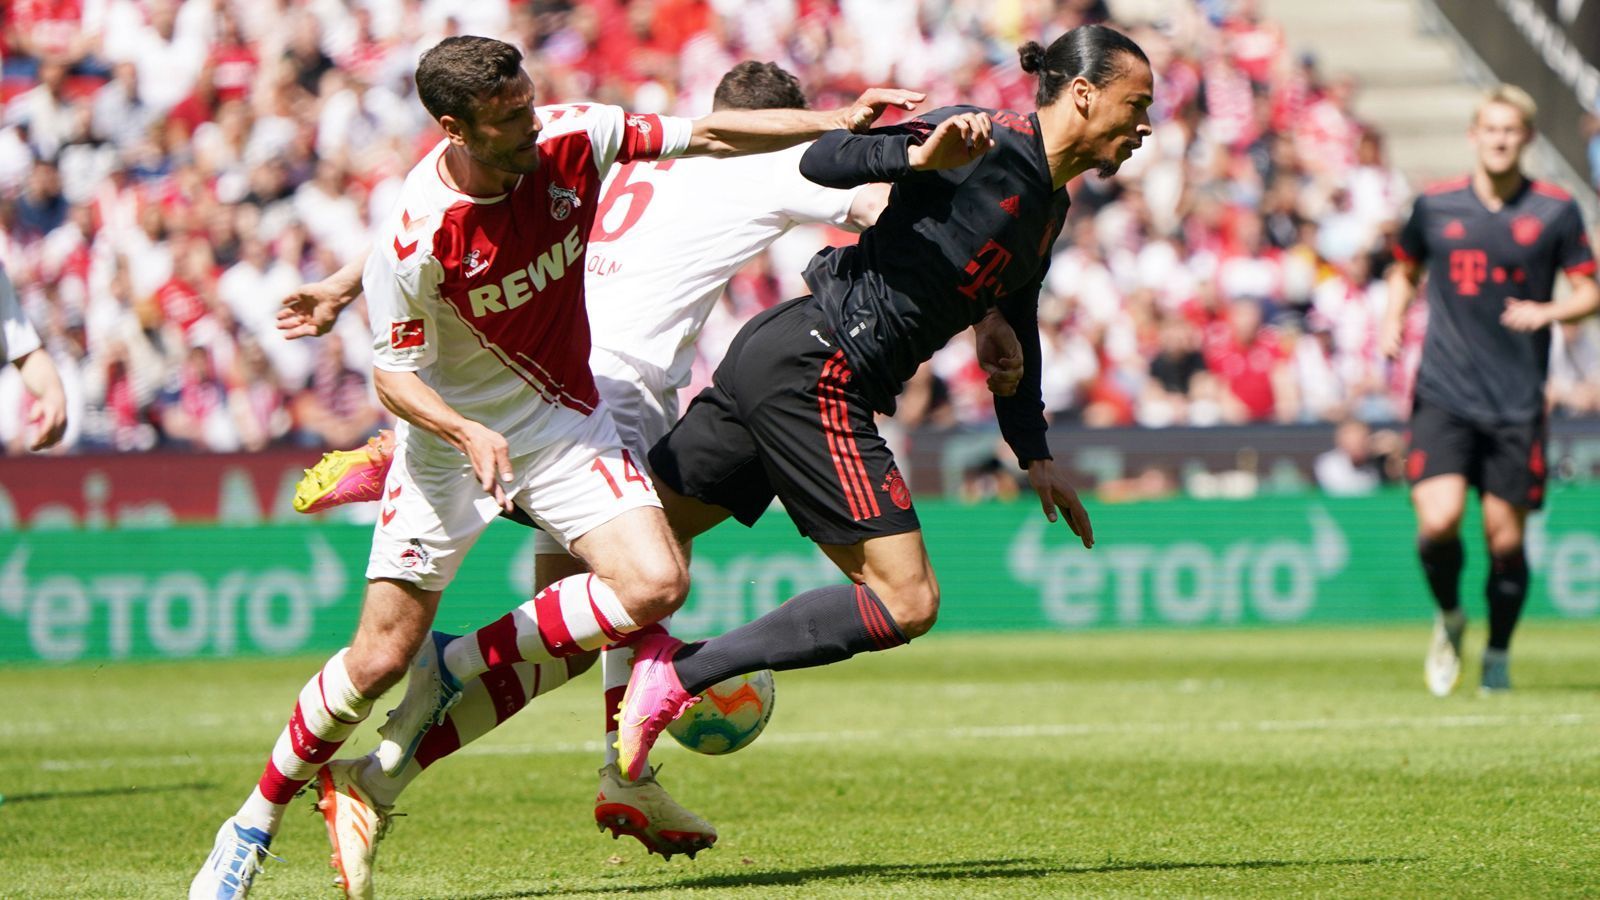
{"x": 520, "y": 285}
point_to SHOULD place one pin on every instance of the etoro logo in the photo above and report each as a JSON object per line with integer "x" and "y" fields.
{"x": 519, "y": 287}
{"x": 1180, "y": 583}
{"x": 181, "y": 611}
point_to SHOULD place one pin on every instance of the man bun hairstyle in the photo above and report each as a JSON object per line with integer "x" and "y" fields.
{"x": 458, "y": 73}
{"x": 1093, "y": 52}
{"x": 758, "y": 85}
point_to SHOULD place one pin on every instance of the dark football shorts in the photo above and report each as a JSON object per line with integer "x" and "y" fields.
{"x": 1506, "y": 459}
{"x": 781, "y": 418}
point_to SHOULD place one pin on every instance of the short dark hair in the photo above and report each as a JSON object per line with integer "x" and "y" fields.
{"x": 1094, "y": 52}
{"x": 458, "y": 73}
{"x": 758, "y": 85}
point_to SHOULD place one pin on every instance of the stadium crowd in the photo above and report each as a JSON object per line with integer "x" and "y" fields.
{"x": 170, "y": 169}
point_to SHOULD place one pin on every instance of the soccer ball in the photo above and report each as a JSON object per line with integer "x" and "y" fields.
{"x": 730, "y": 715}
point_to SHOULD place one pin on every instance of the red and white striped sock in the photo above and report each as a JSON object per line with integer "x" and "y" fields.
{"x": 577, "y": 613}
{"x": 485, "y": 702}
{"x": 329, "y": 708}
{"x": 616, "y": 667}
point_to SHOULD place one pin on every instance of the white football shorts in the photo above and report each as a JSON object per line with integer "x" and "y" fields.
{"x": 641, "y": 406}
{"x": 433, "y": 510}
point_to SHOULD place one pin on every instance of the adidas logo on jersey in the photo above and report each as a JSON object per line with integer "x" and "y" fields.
{"x": 519, "y": 287}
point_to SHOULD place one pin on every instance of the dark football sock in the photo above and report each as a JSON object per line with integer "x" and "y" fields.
{"x": 1441, "y": 564}
{"x": 1507, "y": 590}
{"x": 813, "y": 629}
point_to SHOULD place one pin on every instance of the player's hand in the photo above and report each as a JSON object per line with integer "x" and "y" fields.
{"x": 48, "y": 421}
{"x": 873, "y": 101}
{"x": 311, "y": 309}
{"x": 999, "y": 353}
{"x": 956, "y": 141}
{"x": 1055, "y": 493}
{"x": 1391, "y": 337}
{"x": 1525, "y": 315}
{"x": 490, "y": 456}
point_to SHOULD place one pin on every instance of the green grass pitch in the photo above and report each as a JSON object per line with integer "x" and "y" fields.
{"x": 1249, "y": 763}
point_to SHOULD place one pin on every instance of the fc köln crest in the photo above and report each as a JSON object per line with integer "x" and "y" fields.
{"x": 1525, "y": 230}
{"x": 562, "y": 201}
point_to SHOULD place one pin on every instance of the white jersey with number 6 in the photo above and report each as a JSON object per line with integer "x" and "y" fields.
{"x": 668, "y": 235}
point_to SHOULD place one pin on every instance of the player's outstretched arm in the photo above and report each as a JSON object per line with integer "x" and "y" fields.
{"x": 48, "y": 419}
{"x": 407, "y": 396}
{"x": 843, "y": 160}
{"x": 1531, "y": 315}
{"x": 1056, "y": 494}
{"x": 311, "y": 309}
{"x": 732, "y": 132}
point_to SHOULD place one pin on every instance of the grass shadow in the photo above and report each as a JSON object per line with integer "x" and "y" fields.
{"x": 8, "y": 799}
{"x": 962, "y": 870}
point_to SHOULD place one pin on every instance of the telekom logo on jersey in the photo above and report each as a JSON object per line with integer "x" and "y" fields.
{"x": 519, "y": 287}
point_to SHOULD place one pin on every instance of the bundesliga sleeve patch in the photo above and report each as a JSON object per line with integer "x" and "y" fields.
{"x": 408, "y": 333}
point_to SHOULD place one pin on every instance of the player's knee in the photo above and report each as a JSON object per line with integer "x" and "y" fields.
{"x": 1438, "y": 527}
{"x": 915, "y": 608}
{"x": 656, "y": 590}
{"x": 1505, "y": 546}
{"x": 374, "y": 670}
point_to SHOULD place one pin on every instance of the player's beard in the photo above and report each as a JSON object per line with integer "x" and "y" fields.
{"x": 506, "y": 161}
{"x": 1108, "y": 167}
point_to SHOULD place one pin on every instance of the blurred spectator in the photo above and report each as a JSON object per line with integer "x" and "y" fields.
{"x": 41, "y": 208}
{"x": 335, "y": 409}
{"x": 1360, "y": 461}
{"x": 194, "y": 408}
{"x": 1348, "y": 470}
{"x": 1252, "y": 365}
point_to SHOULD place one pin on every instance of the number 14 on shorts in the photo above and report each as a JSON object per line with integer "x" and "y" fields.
{"x": 630, "y": 475}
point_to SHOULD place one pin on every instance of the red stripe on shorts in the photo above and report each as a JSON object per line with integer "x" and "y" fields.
{"x": 847, "y": 439}
{"x": 830, "y": 429}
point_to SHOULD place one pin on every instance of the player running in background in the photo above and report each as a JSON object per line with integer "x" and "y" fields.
{"x": 19, "y": 344}
{"x": 499, "y": 407}
{"x": 1491, "y": 244}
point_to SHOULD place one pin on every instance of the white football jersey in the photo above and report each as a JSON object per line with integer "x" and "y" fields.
{"x": 668, "y": 235}
{"x": 483, "y": 297}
